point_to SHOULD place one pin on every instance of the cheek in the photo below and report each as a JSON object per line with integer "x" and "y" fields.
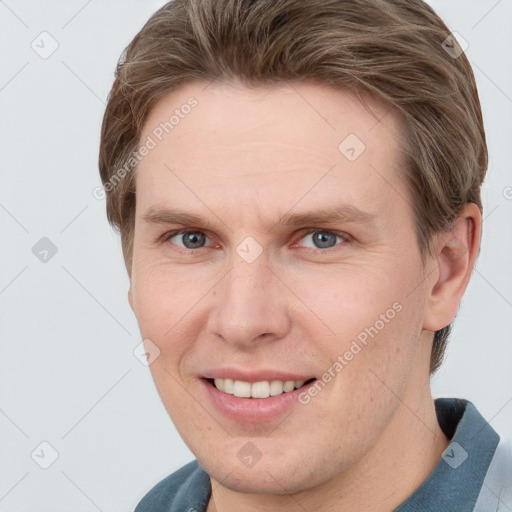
{"x": 162, "y": 294}
{"x": 348, "y": 301}
{"x": 163, "y": 302}
{"x": 372, "y": 324}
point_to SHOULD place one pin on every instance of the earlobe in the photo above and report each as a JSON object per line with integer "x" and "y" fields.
{"x": 455, "y": 257}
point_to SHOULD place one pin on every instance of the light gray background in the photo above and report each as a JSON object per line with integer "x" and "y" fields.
{"x": 68, "y": 375}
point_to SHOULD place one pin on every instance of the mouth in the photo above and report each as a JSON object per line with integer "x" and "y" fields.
{"x": 257, "y": 390}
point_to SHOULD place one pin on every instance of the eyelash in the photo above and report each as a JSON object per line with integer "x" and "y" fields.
{"x": 345, "y": 238}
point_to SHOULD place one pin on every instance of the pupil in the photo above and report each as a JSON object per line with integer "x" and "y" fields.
{"x": 322, "y": 241}
{"x": 193, "y": 240}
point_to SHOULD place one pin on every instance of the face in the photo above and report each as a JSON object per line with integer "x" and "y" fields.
{"x": 276, "y": 272}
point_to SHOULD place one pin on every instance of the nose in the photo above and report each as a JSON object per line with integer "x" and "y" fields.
{"x": 250, "y": 305}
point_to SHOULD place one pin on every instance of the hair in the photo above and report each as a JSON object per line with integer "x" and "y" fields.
{"x": 398, "y": 51}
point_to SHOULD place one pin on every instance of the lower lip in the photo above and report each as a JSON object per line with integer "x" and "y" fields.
{"x": 253, "y": 410}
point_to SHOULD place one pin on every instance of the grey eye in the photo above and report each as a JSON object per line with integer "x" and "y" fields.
{"x": 323, "y": 239}
{"x": 192, "y": 239}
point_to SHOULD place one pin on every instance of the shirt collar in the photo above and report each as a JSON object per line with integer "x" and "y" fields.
{"x": 455, "y": 482}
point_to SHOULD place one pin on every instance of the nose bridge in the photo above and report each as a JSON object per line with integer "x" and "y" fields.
{"x": 246, "y": 305}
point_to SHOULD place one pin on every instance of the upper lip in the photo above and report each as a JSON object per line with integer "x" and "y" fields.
{"x": 253, "y": 375}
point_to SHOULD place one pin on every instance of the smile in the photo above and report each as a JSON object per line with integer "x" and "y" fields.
{"x": 262, "y": 389}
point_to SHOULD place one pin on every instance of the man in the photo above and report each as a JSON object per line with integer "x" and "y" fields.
{"x": 297, "y": 187}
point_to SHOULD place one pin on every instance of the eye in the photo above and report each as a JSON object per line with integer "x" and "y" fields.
{"x": 186, "y": 239}
{"x": 322, "y": 239}
{"x": 314, "y": 239}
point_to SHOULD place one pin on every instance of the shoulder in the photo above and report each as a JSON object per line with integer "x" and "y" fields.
{"x": 189, "y": 485}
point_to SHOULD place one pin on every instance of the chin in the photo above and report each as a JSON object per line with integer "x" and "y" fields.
{"x": 277, "y": 476}
{"x": 251, "y": 482}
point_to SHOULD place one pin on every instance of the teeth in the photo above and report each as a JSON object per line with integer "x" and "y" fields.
{"x": 229, "y": 386}
{"x": 226, "y": 385}
{"x": 289, "y": 385}
{"x": 242, "y": 389}
{"x": 276, "y": 387}
{"x": 262, "y": 389}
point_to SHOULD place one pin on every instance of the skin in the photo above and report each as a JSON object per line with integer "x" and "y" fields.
{"x": 242, "y": 159}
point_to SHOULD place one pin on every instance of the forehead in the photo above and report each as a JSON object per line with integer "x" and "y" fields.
{"x": 268, "y": 146}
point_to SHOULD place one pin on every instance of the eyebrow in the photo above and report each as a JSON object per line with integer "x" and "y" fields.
{"x": 342, "y": 213}
{"x": 158, "y": 215}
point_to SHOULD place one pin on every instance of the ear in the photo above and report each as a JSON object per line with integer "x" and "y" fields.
{"x": 454, "y": 254}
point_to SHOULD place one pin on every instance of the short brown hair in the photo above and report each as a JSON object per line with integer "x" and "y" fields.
{"x": 397, "y": 50}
